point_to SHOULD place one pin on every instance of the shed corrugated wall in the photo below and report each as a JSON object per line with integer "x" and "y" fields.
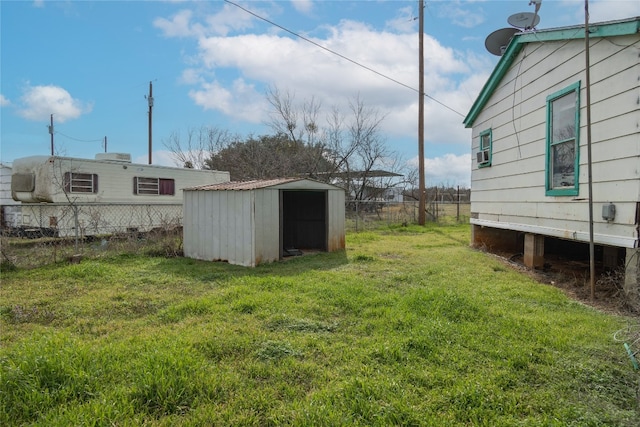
{"x": 336, "y": 219}
{"x": 267, "y": 225}
{"x": 243, "y": 227}
{"x": 218, "y": 226}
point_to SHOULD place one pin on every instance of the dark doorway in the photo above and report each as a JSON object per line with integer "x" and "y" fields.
{"x": 303, "y": 220}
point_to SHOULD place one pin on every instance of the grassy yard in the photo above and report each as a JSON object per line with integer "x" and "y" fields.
{"x": 409, "y": 326}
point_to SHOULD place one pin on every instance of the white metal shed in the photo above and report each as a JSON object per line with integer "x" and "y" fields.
{"x": 253, "y": 222}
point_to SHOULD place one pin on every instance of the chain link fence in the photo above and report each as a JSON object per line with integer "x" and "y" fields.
{"x": 93, "y": 219}
{"x": 39, "y": 234}
{"x": 364, "y": 215}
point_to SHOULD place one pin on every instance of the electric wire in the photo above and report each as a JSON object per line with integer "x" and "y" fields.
{"x": 513, "y": 105}
{"x": 77, "y": 139}
{"x": 342, "y": 56}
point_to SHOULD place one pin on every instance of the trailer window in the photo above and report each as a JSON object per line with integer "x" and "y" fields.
{"x": 23, "y": 182}
{"x": 563, "y": 132}
{"x": 153, "y": 186}
{"x": 80, "y": 182}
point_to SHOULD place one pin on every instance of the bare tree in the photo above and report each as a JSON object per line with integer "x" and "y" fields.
{"x": 351, "y": 144}
{"x": 284, "y": 120}
{"x": 200, "y": 144}
{"x": 344, "y": 148}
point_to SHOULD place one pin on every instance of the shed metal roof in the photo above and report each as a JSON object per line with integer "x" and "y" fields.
{"x": 248, "y": 185}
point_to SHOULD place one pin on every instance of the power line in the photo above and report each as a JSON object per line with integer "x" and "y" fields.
{"x": 341, "y": 56}
{"x": 77, "y": 139}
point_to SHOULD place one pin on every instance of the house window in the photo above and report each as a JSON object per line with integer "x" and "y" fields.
{"x": 153, "y": 186}
{"x": 484, "y": 149}
{"x": 80, "y": 182}
{"x": 563, "y": 129}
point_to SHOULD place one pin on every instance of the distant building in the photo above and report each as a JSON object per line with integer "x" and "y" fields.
{"x": 371, "y": 185}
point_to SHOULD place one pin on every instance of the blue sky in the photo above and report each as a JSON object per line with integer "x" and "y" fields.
{"x": 89, "y": 63}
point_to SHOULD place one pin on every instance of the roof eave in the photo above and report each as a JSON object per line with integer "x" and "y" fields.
{"x": 602, "y": 29}
{"x": 499, "y": 71}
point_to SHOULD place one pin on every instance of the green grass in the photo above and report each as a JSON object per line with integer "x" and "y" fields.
{"x": 408, "y": 326}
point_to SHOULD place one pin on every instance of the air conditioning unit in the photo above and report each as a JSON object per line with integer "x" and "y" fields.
{"x": 482, "y": 156}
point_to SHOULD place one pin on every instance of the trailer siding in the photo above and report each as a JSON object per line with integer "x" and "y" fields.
{"x": 51, "y": 205}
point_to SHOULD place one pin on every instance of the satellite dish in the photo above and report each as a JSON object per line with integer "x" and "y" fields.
{"x": 497, "y": 41}
{"x": 525, "y": 20}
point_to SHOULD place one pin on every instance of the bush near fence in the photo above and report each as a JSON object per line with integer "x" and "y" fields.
{"x": 157, "y": 229}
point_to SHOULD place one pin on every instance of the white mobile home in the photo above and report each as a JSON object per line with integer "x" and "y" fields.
{"x": 530, "y": 177}
{"x": 253, "y": 222}
{"x": 9, "y": 208}
{"x": 56, "y": 191}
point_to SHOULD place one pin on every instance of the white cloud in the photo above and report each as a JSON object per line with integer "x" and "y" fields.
{"x": 607, "y": 10}
{"x": 599, "y": 10}
{"x": 158, "y": 158}
{"x": 4, "y": 101}
{"x": 183, "y": 23}
{"x": 231, "y": 18}
{"x": 461, "y": 15}
{"x": 404, "y": 21}
{"x": 240, "y": 101}
{"x": 309, "y": 71}
{"x": 179, "y": 25}
{"x": 303, "y": 6}
{"x": 449, "y": 169}
{"x": 191, "y": 76}
{"x": 39, "y": 102}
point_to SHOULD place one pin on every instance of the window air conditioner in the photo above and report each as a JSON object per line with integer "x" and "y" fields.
{"x": 482, "y": 156}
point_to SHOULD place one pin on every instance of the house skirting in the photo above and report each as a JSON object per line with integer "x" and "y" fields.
{"x": 581, "y": 236}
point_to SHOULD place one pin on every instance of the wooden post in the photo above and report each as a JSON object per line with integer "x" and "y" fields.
{"x": 533, "y": 250}
{"x": 150, "y": 99}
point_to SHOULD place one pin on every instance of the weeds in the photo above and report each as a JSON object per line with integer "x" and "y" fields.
{"x": 21, "y": 314}
{"x": 408, "y": 326}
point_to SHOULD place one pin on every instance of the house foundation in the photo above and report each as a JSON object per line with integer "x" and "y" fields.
{"x": 631, "y": 285}
{"x": 610, "y": 258}
{"x": 495, "y": 239}
{"x": 534, "y": 250}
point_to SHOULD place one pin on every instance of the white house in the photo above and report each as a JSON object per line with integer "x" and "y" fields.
{"x": 254, "y": 222}
{"x": 530, "y": 175}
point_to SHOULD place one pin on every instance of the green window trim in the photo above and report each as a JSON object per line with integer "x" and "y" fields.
{"x": 485, "y": 144}
{"x": 557, "y": 143}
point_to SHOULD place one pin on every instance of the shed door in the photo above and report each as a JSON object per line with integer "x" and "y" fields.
{"x": 303, "y": 217}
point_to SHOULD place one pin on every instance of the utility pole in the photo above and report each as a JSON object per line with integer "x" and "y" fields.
{"x": 150, "y": 99}
{"x": 421, "y": 184}
{"x": 105, "y": 144}
{"x": 51, "y": 133}
{"x": 592, "y": 263}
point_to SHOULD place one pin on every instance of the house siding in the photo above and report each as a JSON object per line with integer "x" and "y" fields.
{"x": 511, "y": 193}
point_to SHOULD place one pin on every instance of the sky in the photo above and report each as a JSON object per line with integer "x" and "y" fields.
{"x": 211, "y": 63}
